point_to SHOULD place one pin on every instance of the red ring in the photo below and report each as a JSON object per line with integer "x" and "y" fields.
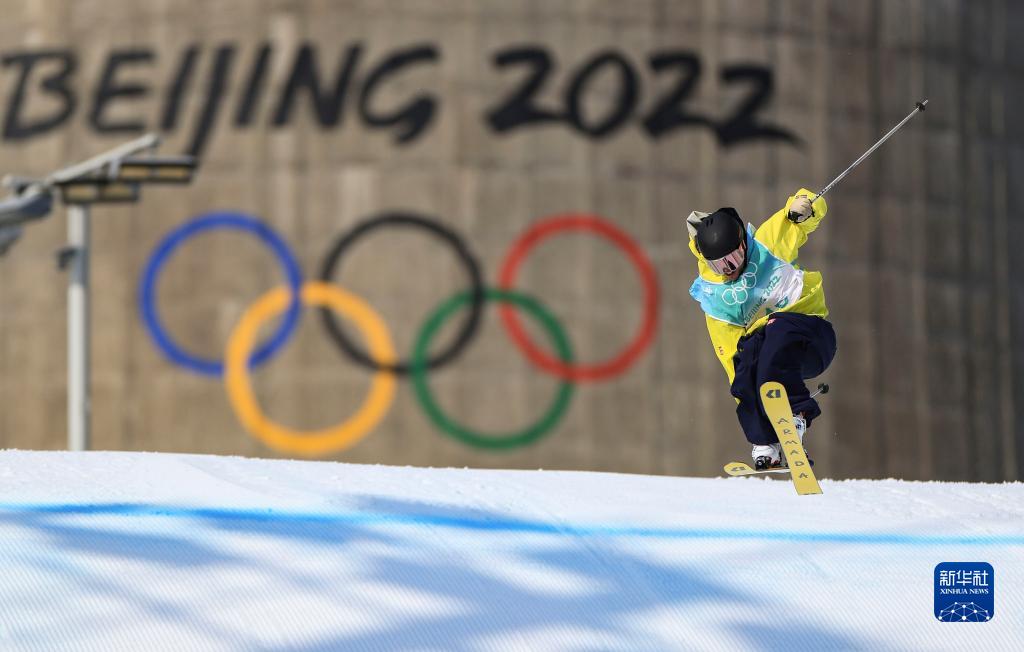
{"x": 581, "y": 222}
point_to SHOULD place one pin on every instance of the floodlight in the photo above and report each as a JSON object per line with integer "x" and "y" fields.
{"x": 96, "y": 165}
{"x": 115, "y": 176}
{"x": 86, "y": 191}
{"x": 152, "y": 169}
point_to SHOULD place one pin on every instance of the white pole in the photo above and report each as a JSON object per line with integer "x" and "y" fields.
{"x": 78, "y": 328}
{"x": 920, "y": 107}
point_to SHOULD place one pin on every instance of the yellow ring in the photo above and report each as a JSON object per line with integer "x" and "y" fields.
{"x": 312, "y": 442}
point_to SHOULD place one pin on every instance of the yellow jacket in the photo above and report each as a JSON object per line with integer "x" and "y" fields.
{"x": 783, "y": 238}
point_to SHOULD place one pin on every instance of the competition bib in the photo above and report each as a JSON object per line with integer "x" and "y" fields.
{"x": 767, "y": 284}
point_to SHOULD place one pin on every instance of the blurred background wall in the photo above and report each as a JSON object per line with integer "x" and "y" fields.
{"x": 488, "y": 118}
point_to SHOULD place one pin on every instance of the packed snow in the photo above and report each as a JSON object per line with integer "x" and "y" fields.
{"x": 133, "y": 551}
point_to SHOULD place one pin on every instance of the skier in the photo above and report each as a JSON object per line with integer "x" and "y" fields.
{"x": 766, "y": 316}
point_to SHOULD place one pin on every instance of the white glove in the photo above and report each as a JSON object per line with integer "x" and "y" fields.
{"x": 800, "y": 209}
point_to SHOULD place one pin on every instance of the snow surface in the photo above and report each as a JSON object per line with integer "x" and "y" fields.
{"x": 138, "y": 551}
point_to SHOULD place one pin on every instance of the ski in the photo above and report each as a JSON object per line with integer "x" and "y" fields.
{"x": 738, "y": 469}
{"x": 776, "y": 406}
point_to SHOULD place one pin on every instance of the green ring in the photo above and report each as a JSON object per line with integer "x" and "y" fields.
{"x": 465, "y": 435}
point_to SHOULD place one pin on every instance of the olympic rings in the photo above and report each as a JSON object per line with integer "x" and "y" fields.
{"x": 648, "y": 277}
{"x": 445, "y": 234}
{"x": 461, "y": 433}
{"x": 381, "y": 356}
{"x": 177, "y": 237}
{"x": 736, "y": 294}
{"x": 242, "y": 398}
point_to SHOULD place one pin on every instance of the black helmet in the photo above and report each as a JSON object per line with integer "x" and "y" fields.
{"x": 719, "y": 239}
{"x": 720, "y": 233}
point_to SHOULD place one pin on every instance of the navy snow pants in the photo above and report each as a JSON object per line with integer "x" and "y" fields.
{"x": 791, "y": 348}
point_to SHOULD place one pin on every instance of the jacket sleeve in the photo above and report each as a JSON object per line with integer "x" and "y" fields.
{"x": 784, "y": 237}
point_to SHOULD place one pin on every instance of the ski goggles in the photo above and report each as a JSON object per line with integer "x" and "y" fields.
{"x": 728, "y": 263}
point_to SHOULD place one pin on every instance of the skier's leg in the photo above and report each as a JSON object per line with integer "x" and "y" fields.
{"x": 820, "y": 350}
{"x": 745, "y": 388}
{"x": 782, "y": 358}
{"x": 797, "y": 347}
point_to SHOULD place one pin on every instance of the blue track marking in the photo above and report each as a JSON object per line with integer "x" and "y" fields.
{"x": 507, "y": 525}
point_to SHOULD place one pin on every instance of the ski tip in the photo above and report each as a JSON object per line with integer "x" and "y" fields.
{"x": 737, "y": 468}
{"x": 816, "y": 491}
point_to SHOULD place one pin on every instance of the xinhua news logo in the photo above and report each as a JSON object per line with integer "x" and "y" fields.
{"x": 964, "y": 592}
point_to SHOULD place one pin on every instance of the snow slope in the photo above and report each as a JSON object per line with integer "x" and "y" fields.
{"x": 154, "y": 551}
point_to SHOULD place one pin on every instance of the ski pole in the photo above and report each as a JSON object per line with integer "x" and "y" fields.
{"x": 822, "y": 389}
{"x": 920, "y": 107}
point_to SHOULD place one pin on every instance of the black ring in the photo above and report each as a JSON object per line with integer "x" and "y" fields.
{"x": 469, "y": 324}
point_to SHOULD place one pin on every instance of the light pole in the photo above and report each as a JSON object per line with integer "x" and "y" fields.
{"x": 79, "y": 407}
{"x": 112, "y": 177}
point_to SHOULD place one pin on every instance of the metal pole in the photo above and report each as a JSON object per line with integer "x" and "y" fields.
{"x": 920, "y": 107}
{"x": 78, "y": 328}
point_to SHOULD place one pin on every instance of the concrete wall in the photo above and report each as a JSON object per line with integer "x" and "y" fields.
{"x": 916, "y": 249}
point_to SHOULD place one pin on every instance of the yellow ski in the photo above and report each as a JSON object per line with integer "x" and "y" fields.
{"x": 742, "y": 468}
{"x": 776, "y": 406}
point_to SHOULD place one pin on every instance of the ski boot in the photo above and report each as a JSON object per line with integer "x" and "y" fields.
{"x": 767, "y": 456}
{"x": 800, "y": 424}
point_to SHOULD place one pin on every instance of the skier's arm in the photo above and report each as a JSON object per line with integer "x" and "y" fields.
{"x": 806, "y": 223}
{"x": 783, "y": 236}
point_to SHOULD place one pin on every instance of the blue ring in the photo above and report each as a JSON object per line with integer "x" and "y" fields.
{"x": 177, "y": 237}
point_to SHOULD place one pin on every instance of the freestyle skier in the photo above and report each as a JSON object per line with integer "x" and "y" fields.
{"x": 766, "y": 316}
